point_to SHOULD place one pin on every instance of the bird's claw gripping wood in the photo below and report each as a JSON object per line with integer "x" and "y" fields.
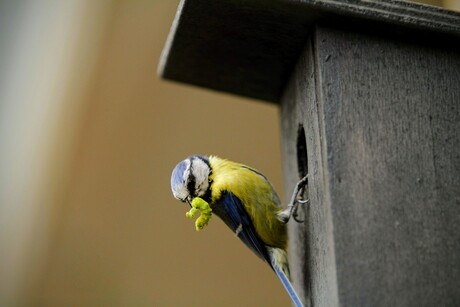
{"x": 291, "y": 209}
{"x": 199, "y": 204}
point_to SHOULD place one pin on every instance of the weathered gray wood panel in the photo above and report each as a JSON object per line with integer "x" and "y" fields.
{"x": 249, "y": 47}
{"x": 382, "y": 120}
{"x": 310, "y": 243}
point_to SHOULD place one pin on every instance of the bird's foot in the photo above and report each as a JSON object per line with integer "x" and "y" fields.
{"x": 291, "y": 210}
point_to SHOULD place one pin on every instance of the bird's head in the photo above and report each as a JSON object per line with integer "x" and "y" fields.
{"x": 190, "y": 178}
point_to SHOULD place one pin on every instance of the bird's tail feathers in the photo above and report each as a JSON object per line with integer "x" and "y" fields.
{"x": 280, "y": 265}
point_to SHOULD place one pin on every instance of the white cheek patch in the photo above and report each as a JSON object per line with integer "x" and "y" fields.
{"x": 201, "y": 172}
{"x": 186, "y": 172}
{"x": 181, "y": 192}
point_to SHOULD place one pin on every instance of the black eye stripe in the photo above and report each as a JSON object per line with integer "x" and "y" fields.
{"x": 191, "y": 183}
{"x": 191, "y": 179}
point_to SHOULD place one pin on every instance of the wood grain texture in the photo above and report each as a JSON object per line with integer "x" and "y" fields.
{"x": 244, "y": 47}
{"x": 249, "y": 47}
{"x": 310, "y": 243}
{"x": 382, "y": 120}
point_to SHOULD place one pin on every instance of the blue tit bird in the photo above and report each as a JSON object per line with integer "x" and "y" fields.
{"x": 247, "y": 203}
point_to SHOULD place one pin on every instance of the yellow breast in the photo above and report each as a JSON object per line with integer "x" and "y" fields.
{"x": 257, "y": 195}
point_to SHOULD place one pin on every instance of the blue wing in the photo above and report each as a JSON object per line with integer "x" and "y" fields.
{"x": 230, "y": 209}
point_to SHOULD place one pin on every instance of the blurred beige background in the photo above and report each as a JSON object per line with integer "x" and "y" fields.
{"x": 88, "y": 138}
